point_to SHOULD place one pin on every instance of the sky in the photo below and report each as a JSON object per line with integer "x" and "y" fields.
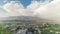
{"x": 45, "y": 9}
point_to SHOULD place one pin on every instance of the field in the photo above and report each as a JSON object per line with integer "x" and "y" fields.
{"x": 33, "y": 27}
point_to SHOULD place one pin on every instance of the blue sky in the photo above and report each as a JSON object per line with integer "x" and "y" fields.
{"x": 24, "y": 2}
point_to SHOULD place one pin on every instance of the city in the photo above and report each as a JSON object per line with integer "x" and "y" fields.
{"x": 30, "y": 28}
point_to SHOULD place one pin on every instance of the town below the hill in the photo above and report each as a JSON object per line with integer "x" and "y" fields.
{"x": 29, "y": 28}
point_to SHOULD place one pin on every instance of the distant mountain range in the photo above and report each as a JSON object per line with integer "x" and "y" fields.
{"x": 20, "y": 18}
{"x": 24, "y": 19}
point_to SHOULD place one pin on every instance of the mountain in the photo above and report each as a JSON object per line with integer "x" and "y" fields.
{"x": 24, "y": 19}
{"x": 20, "y": 18}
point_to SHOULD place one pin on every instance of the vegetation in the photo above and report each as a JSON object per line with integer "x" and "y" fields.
{"x": 35, "y": 28}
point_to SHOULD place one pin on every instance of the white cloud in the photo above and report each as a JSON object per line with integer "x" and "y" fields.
{"x": 34, "y": 6}
{"x": 42, "y": 10}
{"x": 49, "y": 11}
{"x": 14, "y": 9}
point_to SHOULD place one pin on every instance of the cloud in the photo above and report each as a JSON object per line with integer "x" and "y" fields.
{"x": 49, "y": 11}
{"x": 5, "y": 1}
{"x": 35, "y": 5}
{"x": 17, "y": 9}
{"x": 46, "y": 10}
{"x": 14, "y": 9}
